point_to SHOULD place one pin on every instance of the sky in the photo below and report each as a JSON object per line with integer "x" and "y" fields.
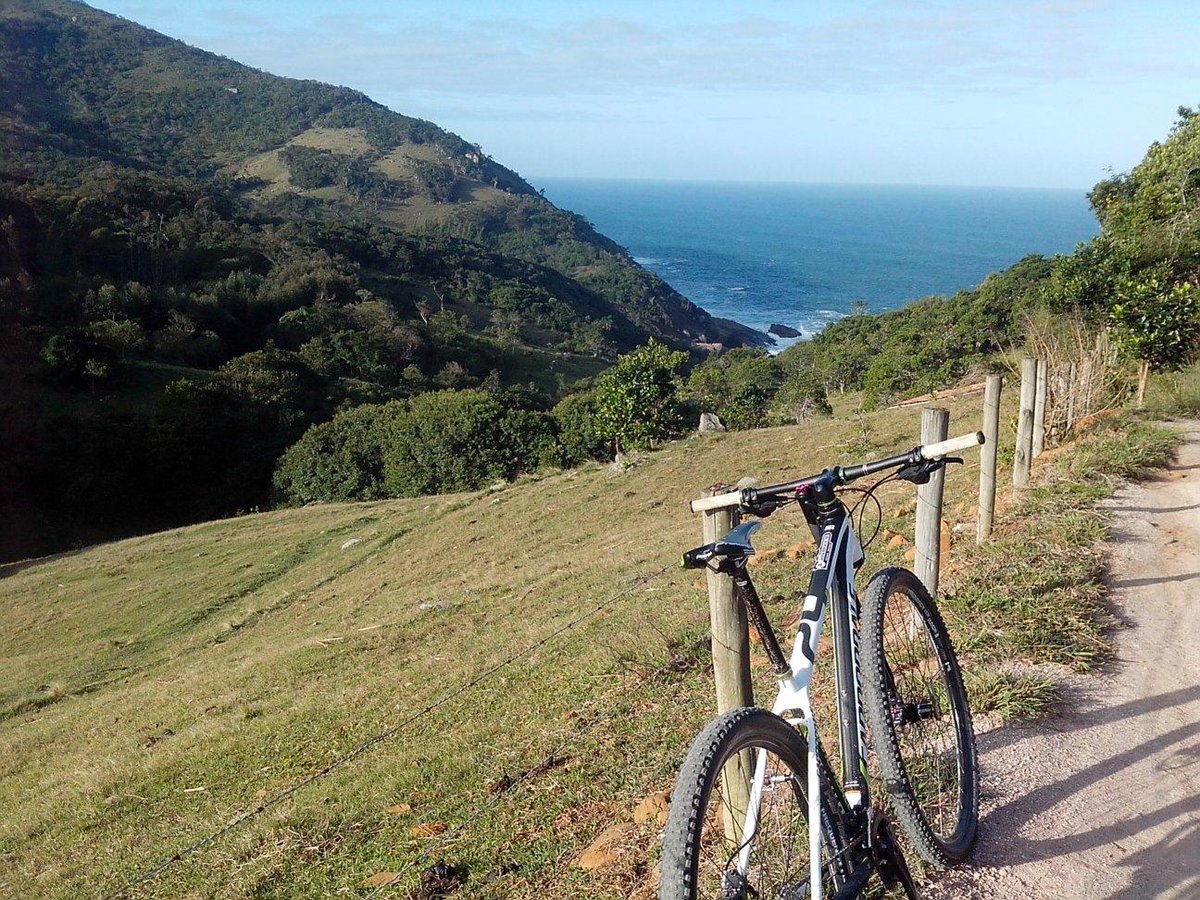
{"x": 1023, "y": 93}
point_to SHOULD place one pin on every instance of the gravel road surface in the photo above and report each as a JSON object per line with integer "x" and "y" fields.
{"x": 1104, "y": 801}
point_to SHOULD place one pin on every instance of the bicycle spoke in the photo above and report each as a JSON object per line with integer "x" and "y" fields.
{"x": 779, "y": 845}
{"x": 703, "y": 843}
{"x": 922, "y": 720}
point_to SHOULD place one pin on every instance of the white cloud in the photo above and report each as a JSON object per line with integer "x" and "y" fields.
{"x": 893, "y": 45}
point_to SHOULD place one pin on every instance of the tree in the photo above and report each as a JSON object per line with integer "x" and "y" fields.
{"x": 738, "y": 386}
{"x": 337, "y": 460}
{"x": 506, "y": 326}
{"x": 1153, "y": 212}
{"x": 74, "y": 355}
{"x": 275, "y": 379}
{"x": 802, "y": 396}
{"x": 452, "y": 441}
{"x": 1156, "y": 321}
{"x": 1146, "y": 284}
{"x": 637, "y": 400}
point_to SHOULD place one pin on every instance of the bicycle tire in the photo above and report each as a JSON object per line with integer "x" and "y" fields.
{"x": 697, "y": 857}
{"x": 916, "y": 706}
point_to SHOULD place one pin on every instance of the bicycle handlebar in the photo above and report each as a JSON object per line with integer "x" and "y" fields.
{"x": 717, "y": 501}
{"x": 917, "y": 454}
{"x": 962, "y": 442}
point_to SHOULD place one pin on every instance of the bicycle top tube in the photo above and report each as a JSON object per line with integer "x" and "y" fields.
{"x": 839, "y": 475}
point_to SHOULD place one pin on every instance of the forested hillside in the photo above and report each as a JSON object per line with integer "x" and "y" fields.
{"x": 199, "y": 260}
{"x": 221, "y": 289}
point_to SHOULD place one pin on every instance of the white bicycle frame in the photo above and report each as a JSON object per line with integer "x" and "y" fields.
{"x": 838, "y": 555}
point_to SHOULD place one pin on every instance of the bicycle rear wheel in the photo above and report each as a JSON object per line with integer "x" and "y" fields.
{"x": 700, "y": 859}
{"x": 917, "y": 708}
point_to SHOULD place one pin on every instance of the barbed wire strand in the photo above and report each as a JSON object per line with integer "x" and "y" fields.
{"x": 528, "y": 775}
{"x": 273, "y": 801}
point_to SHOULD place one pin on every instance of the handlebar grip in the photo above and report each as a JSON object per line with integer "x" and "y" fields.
{"x": 720, "y": 501}
{"x": 941, "y": 448}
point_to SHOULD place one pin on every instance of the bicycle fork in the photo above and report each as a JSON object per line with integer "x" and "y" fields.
{"x": 813, "y": 795}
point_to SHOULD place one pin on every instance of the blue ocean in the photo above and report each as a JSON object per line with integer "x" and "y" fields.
{"x": 800, "y": 254}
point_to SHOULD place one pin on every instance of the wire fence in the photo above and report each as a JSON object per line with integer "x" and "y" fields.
{"x": 559, "y": 752}
{"x": 376, "y": 740}
{"x": 496, "y": 795}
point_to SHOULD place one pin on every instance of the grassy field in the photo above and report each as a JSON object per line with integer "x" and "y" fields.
{"x": 512, "y": 673}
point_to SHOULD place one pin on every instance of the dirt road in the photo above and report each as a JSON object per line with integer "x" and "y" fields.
{"x": 1104, "y": 802}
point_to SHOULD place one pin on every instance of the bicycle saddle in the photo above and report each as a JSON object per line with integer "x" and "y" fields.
{"x": 735, "y": 545}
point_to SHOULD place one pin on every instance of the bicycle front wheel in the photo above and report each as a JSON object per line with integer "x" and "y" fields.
{"x": 917, "y": 708}
{"x": 703, "y": 843}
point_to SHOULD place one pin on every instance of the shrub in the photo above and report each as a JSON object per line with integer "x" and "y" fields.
{"x": 738, "y": 386}
{"x": 579, "y": 434}
{"x": 434, "y": 443}
{"x": 801, "y": 396}
{"x": 337, "y": 460}
{"x": 453, "y": 441}
{"x": 531, "y": 440}
{"x": 637, "y": 400}
{"x": 74, "y": 355}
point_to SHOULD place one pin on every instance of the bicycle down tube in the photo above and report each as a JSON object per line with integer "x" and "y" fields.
{"x": 832, "y": 581}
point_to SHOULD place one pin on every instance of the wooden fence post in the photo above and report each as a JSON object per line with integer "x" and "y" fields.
{"x": 1023, "y": 454}
{"x": 731, "y": 664}
{"x": 1070, "y": 399}
{"x": 987, "y": 459}
{"x": 1039, "y": 411}
{"x": 1086, "y": 390}
{"x": 935, "y": 426}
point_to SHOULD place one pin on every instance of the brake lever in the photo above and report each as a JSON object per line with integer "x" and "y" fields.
{"x": 760, "y": 509}
{"x": 920, "y": 473}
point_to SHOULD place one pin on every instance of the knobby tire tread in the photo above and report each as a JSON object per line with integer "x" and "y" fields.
{"x": 724, "y": 735}
{"x": 932, "y": 848}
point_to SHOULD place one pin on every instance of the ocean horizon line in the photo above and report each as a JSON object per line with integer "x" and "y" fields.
{"x": 751, "y": 182}
{"x": 802, "y": 255}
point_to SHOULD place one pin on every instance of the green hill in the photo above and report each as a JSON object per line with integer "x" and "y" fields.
{"x": 286, "y": 247}
{"x": 81, "y": 87}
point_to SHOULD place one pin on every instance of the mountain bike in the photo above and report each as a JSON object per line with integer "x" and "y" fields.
{"x": 741, "y": 820}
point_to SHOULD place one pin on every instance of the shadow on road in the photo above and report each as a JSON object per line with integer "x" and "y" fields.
{"x": 1175, "y": 750}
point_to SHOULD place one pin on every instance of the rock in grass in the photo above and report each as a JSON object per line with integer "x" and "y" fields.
{"x": 379, "y": 879}
{"x": 652, "y": 808}
{"x": 427, "y": 829}
{"x": 605, "y": 848}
